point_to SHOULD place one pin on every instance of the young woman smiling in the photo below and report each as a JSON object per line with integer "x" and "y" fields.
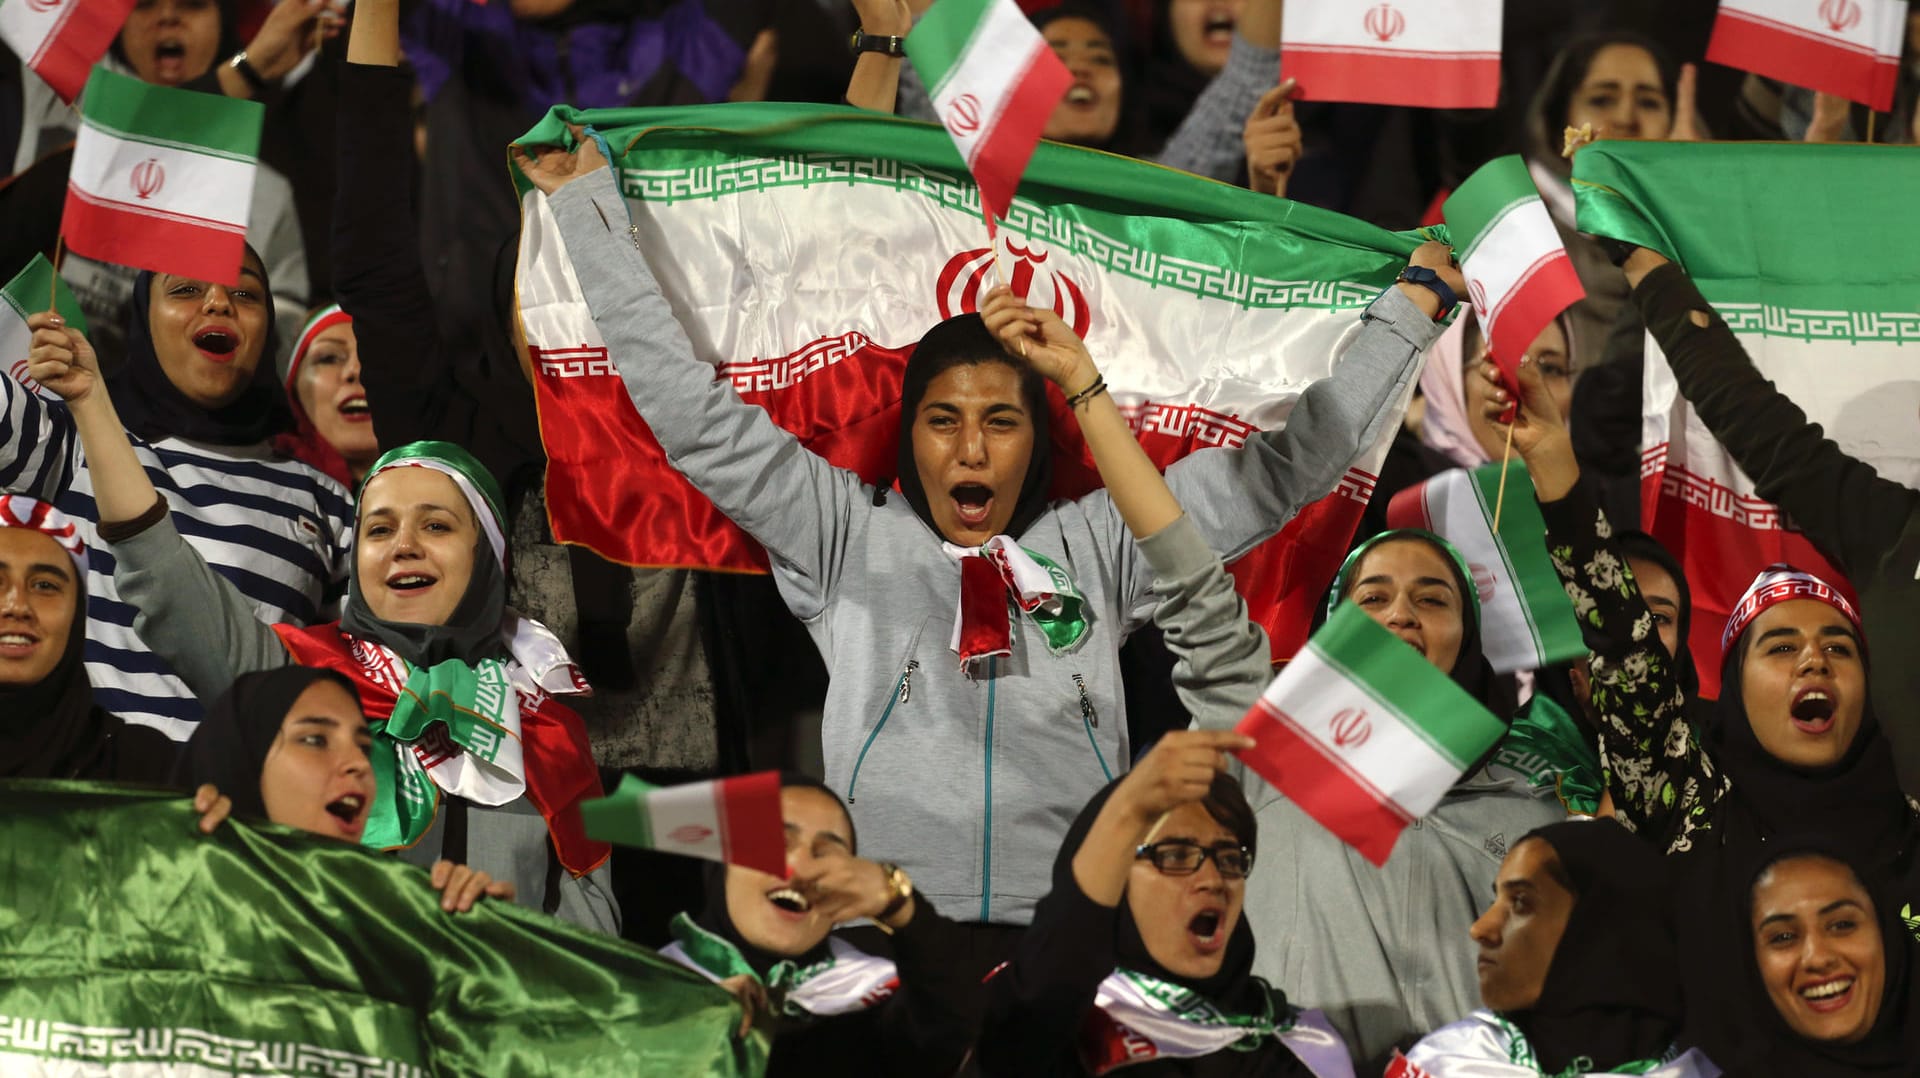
{"x": 477, "y": 757}
{"x": 1791, "y": 749}
{"x": 334, "y": 424}
{"x": 201, "y": 403}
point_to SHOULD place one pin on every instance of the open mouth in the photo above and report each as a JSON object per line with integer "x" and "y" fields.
{"x": 1828, "y": 996}
{"x": 971, "y": 503}
{"x": 355, "y": 409}
{"x": 349, "y": 811}
{"x": 170, "y": 49}
{"x": 16, "y": 643}
{"x": 1812, "y": 712}
{"x": 216, "y": 343}
{"x": 411, "y": 581}
{"x": 1205, "y": 929}
{"x": 789, "y": 901}
{"x": 1219, "y": 27}
{"x": 1081, "y": 94}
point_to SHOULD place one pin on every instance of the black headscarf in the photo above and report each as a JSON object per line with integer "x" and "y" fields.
{"x": 229, "y": 748}
{"x": 714, "y": 917}
{"x": 1891, "y": 1047}
{"x": 1234, "y": 988}
{"x": 959, "y": 341}
{"x": 51, "y": 729}
{"x": 1131, "y": 132}
{"x": 153, "y": 408}
{"x": 1547, "y": 113}
{"x": 1612, "y": 993}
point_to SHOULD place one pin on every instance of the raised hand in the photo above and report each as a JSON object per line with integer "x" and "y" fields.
{"x": 888, "y": 18}
{"x": 752, "y": 996}
{"x": 1686, "y": 126}
{"x": 460, "y": 886}
{"x": 552, "y": 167}
{"x": 1829, "y": 123}
{"x": 1273, "y": 141}
{"x": 60, "y": 358}
{"x": 1178, "y": 770}
{"x": 287, "y": 35}
{"x": 1539, "y": 434}
{"x": 854, "y": 887}
{"x": 1039, "y": 337}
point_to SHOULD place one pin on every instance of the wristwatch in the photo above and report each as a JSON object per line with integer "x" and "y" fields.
{"x": 889, "y": 44}
{"x": 1426, "y": 278}
{"x": 901, "y": 889}
{"x": 247, "y": 71}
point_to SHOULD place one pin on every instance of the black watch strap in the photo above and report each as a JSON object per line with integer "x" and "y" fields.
{"x": 247, "y": 71}
{"x": 887, "y": 44}
{"x": 1432, "y": 282}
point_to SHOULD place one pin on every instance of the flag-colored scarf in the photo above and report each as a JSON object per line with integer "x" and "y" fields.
{"x": 846, "y": 980}
{"x": 1001, "y": 572}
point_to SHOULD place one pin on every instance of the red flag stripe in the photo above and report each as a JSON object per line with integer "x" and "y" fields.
{"x": 178, "y": 244}
{"x": 1003, "y": 156}
{"x": 1793, "y": 54}
{"x": 1544, "y": 289}
{"x": 752, "y": 827}
{"x": 1467, "y": 80}
{"x": 1321, "y": 783}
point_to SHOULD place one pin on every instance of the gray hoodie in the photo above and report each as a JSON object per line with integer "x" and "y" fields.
{"x": 968, "y": 783}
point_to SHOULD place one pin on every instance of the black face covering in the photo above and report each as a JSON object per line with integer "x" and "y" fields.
{"x": 1234, "y": 988}
{"x": 152, "y": 407}
{"x": 229, "y": 748}
{"x": 1612, "y": 992}
{"x": 717, "y": 919}
{"x": 963, "y": 340}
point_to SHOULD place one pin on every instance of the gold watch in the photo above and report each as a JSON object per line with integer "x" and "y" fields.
{"x": 901, "y": 889}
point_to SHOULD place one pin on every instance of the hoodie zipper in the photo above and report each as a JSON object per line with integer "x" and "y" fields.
{"x": 902, "y": 691}
{"x": 1089, "y": 721}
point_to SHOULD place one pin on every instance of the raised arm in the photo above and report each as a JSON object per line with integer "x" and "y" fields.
{"x": 798, "y": 506}
{"x": 876, "y": 75}
{"x": 1661, "y": 779}
{"x": 1842, "y": 504}
{"x": 189, "y": 615}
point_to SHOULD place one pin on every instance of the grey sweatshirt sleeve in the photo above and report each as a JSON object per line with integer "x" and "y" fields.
{"x": 1240, "y": 497}
{"x": 1208, "y": 142}
{"x": 1220, "y": 658}
{"x": 190, "y": 615}
{"x": 794, "y": 503}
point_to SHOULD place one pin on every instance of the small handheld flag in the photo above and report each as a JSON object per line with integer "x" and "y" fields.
{"x": 1850, "y": 48}
{"x": 162, "y": 179}
{"x": 1437, "y": 54}
{"x": 61, "y": 40}
{"x": 1526, "y": 619}
{"x": 1519, "y": 277}
{"x": 994, "y": 82}
{"x": 735, "y": 820}
{"x": 1364, "y": 734}
{"x": 25, "y": 295}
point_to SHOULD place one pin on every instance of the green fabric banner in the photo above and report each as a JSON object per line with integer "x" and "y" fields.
{"x": 127, "y": 937}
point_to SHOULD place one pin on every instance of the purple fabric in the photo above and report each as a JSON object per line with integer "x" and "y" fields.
{"x": 591, "y": 65}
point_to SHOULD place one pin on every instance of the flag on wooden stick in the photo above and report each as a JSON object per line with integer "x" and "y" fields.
{"x": 994, "y": 81}
{"x": 162, "y": 178}
{"x": 1440, "y": 54}
{"x": 1850, "y": 48}
{"x": 1527, "y": 621}
{"x": 736, "y": 821}
{"x": 61, "y": 40}
{"x": 1364, "y": 734}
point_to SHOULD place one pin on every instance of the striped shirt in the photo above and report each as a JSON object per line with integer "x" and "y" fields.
{"x": 277, "y": 529}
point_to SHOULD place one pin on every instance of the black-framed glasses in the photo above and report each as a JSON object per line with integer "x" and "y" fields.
{"x": 1180, "y": 857}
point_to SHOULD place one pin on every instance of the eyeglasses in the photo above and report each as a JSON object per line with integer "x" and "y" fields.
{"x": 1179, "y": 857}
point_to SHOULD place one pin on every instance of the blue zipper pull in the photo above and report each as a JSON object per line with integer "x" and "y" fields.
{"x": 1086, "y": 703}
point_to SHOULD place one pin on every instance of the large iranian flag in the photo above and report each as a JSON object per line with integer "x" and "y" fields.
{"x": 162, "y": 178}
{"x": 61, "y": 40}
{"x": 136, "y": 947}
{"x": 807, "y": 249}
{"x": 1846, "y": 47}
{"x": 1364, "y": 734}
{"x": 1439, "y": 54}
{"x": 1809, "y": 253}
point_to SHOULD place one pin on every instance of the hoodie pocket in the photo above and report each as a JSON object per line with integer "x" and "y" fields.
{"x": 898, "y": 697}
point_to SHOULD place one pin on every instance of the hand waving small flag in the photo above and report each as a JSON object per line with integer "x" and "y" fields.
{"x": 1364, "y": 734}
{"x": 994, "y": 81}
{"x": 736, "y": 820}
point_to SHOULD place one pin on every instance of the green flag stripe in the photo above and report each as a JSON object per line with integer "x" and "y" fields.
{"x": 1522, "y": 542}
{"x": 942, "y": 38}
{"x": 1487, "y": 195}
{"x": 1403, "y": 682}
{"x": 207, "y": 123}
{"x": 27, "y": 294}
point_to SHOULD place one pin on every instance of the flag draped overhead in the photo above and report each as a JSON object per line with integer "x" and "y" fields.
{"x": 994, "y": 81}
{"x": 61, "y": 40}
{"x": 1364, "y": 734}
{"x": 1850, "y": 48}
{"x": 1808, "y": 252}
{"x": 1519, "y": 277}
{"x": 735, "y": 820}
{"x": 807, "y": 249}
{"x": 136, "y": 946}
{"x": 162, "y": 178}
{"x": 27, "y": 294}
{"x": 1438, "y": 54}
{"x": 1527, "y": 621}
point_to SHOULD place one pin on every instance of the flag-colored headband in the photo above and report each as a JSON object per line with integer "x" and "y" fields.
{"x": 20, "y": 511}
{"x": 323, "y": 320}
{"x": 1779, "y": 583}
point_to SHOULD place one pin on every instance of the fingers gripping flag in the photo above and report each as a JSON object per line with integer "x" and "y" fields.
{"x": 1364, "y": 734}
{"x": 994, "y": 81}
{"x": 736, "y": 821}
{"x": 27, "y": 294}
{"x": 1519, "y": 277}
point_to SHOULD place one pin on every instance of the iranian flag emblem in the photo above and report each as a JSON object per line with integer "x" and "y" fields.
{"x": 1518, "y": 274}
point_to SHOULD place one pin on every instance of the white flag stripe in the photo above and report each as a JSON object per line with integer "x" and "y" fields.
{"x": 1395, "y": 758}
{"x": 1437, "y": 26}
{"x": 996, "y": 56}
{"x": 23, "y": 23}
{"x": 685, "y": 820}
{"x": 193, "y": 185}
{"x": 1463, "y": 517}
{"x": 1411, "y": 54}
{"x": 1878, "y": 30}
{"x": 1509, "y": 251}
